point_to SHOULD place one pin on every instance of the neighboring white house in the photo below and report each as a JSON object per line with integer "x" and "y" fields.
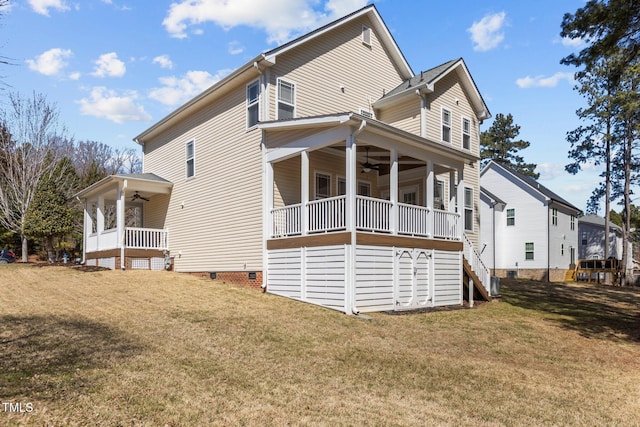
{"x": 527, "y": 230}
{"x": 591, "y": 243}
{"x": 325, "y": 170}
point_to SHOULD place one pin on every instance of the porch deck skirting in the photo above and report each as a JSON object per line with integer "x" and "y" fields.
{"x": 378, "y": 273}
{"x": 135, "y": 259}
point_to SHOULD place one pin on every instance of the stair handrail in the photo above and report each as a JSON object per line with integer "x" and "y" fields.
{"x": 477, "y": 265}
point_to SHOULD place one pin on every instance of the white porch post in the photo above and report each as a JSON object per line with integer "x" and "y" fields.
{"x": 452, "y": 191}
{"x": 393, "y": 190}
{"x": 350, "y": 212}
{"x": 120, "y": 202}
{"x": 461, "y": 201}
{"x": 430, "y": 183}
{"x": 268, "y": 192}
{"x": 304, "y": 191}
{"x": 99, "y": 221}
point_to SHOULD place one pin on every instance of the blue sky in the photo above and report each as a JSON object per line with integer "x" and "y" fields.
{"x": 114, "y": 67}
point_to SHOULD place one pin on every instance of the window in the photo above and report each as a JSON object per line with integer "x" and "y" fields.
{"x": 366, "y": 35}
{"x": 468, "y": 209}
{"x": 573, "y": 222}
{"x": 342, "y": 186}
{"x": 410, "y": 198}
{"x": 446, "y": 125}
{"x": 323, "y": 185}
{"x": 94, "y": 218}
{"x": 286, "y": 99}
{"x": 554, "y": 216}
{"x": 190, "y": 155}
{"x": 511, "y": 217}
{"x": 253, "y": 109}
{"x": 584, "y": 238}
{"x": 466, "y": 133}
{"x": 528, "y": 251}
{"x": 438, "y": 195}
{"x": 110, "y": 215}
{"x": 364, "y": 189}
{"x": 562, "y": 249}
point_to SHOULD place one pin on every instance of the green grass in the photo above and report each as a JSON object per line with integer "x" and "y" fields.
{"x": 158, "y": 348}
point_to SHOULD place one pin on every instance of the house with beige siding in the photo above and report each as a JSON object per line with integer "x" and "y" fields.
{"x": 324, "y": 170}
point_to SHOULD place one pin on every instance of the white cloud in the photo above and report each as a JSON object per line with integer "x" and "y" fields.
{"x": 549, "y": 171}
{"x": 577, "y": 43}
{"x": 176, "y": 91}
{"x": 279, "y": 18}
{"x": 164, "y": 61}
{"x": 235, "y": 48}
{"x": 42, "y": 6}
{"x": 542, "y": 81}
{"x": 486, "y": 33}
{"x": 74, "y": 76}
{"x": 51, "y": 62}
{"x": 105, "y": 103}
{"x": 108, "y": 65}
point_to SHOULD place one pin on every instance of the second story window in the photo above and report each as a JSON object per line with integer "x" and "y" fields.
{"x": 554, "y": 216}
{"x": 253, "y": 109}
{"x": 286, "y": 99}
{"x": 191, "y": 159}
{"x": 468, "y": 209}
{"x": 573, "y": 222}
{"x": 323, "y": 185}
{"x": 446, "y": 125}
{"x": 511, "y": 217}
{"x": 466, "y": 133}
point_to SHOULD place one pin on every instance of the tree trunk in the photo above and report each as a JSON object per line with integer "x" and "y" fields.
{"x": 25, "y": 248}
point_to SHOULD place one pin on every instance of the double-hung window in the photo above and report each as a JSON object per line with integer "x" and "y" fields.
{"x": 286, "y": 99}
{"x": 323, "y": 185}
{"x": 468, "y": 209}
{"x": 446, "y": 125}
{"x": 511, "y": 217}
{"x": 554, "y": 216}
{"x": 253, "y": 108}
{"x": 528, "y": 251}
{"x": 466, "y": 133}
{"x": 190, "y": 159}
{"x": 573, "y": 222}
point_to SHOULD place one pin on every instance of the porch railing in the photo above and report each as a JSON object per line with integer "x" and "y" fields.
{"x": 414, "y": 220}
{"x": 287, "y": 221}
{"x": 327, "y": 214}
{"x": 146, "y": 238}
{"x": 473, "y": 257}
{"x": 373, "y": 214}
{"x": 446, "y": 225}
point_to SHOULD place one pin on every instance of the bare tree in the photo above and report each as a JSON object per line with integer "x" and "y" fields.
{"x": 29, "y": 143}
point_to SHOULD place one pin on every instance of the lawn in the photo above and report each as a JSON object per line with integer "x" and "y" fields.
{"x": 166, "y": 349}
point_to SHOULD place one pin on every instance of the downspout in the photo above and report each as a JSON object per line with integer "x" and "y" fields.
{"x": 549, "y": 243}
{"x": 352, "y": 267}
{"x": 84, "y": 230}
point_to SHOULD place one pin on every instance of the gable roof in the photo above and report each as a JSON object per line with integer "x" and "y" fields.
{"x": 252, "y": 68}
{"x": 532, "y": 183}
{"x": 495, "y": 200}
{"x": 594, "y": 219}
{"x": 425, "y": 83}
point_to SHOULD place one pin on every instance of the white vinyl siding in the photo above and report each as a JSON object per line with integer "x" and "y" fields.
{"x": 374, "y": 278}
{"x": 447, "y": 278}
{"x": 286, "y": 99}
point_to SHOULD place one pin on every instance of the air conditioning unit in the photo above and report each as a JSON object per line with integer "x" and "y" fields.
{"x": 512, "y": 274}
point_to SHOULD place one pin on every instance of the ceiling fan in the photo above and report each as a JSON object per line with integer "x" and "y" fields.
{"x": 368, "y": 167}
{"x": 137, "y": 196}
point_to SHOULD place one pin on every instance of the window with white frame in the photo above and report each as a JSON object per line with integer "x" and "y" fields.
{"x": 511, "y": 217}
{"x": 253, "y": 98}
{"x": 364, "y": 188}
{"x": 446, "y": 125}
{"x": 323, "y": 185}
{"x": 554, "y": 216}
{"x": 286, "y": 99}
{"x": 528, "y": 251}
{"x": 438, "y": 195}
{"x": 190, "y": 159}
{"x": 93, "y": 214}
{"x": 366, "y": 35}
{"x": 342, "y": 186}
{"x": 573, "y": 222}
{"x": 466, "y": 133}
{"x": 468, "y": 209}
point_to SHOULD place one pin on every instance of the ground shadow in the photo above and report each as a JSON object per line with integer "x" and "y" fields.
{"x": 43, "y": 356}
{"x": 594, "y": 311}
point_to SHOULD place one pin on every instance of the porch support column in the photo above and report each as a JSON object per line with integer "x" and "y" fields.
{"x": 267, "y": 214}
{"x": 430, "y": 183}
{"x": 461, "y": 201}
{"x": 120, "y": 202}
{"x": 99, "y": 220}
{"x": 304, "y": 192}
{"x": 393, "y": 191}
{"x": 350, "y": 221}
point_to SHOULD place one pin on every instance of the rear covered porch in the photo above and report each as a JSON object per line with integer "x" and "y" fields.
{"x": 116, "y": 234}
{"x": 360, "y": 216}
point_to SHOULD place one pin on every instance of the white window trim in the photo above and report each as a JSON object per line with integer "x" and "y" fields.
{"x": 251, "y": 104}
{"x": 365, "y": 182}
{"x": 315, "y": 180}
{"x": 465, "y": 208}
{"x": 442, "y": 110}
{"x": 409, "y": 189}
{"x": 533, "y": 251}
{"x": 295, "y": 96}
{"x": 338, "y": 179}
{"x": 366, "y": 33}
{"x": 462, "y": 132}
{"x": 514, "y": 217}
{"x": 186, "y": 159}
